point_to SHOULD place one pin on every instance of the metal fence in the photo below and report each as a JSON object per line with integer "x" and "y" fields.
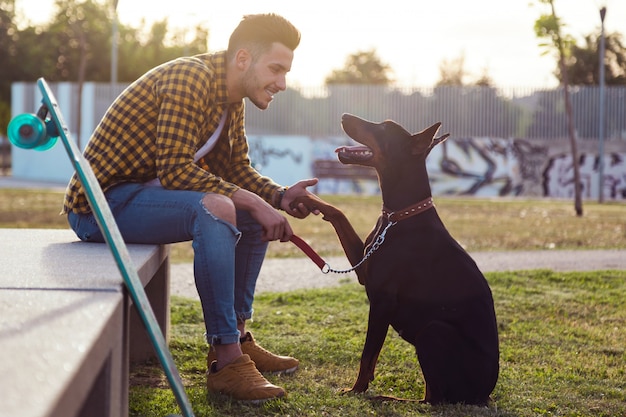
{"x": 464, "y": 111}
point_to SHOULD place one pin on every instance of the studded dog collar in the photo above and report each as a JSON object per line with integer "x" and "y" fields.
{"x": 415, "y": 209}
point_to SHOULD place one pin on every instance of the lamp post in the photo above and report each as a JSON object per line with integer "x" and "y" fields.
{"x": 114, "y": 37}
{"x": 601, "y": 111}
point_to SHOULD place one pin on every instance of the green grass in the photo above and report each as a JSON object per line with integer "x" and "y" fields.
{"x": 562, "y": 334}
{"x": 562, "y": 345}
{"x": 31, "y": 209}
{"x": 478, "y": 224}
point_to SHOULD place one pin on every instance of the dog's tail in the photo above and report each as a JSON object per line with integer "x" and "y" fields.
{"x": 382, "y": 398}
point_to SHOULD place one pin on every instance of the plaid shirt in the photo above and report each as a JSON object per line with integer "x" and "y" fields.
{"x": 154, "y": 128}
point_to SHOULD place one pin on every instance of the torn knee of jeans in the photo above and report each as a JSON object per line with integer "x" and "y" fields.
{"x": 220, "y": 206}
{"x": 230, "y": 226}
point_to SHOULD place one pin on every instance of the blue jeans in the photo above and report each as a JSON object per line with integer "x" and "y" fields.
{"x": 227, "y": 259}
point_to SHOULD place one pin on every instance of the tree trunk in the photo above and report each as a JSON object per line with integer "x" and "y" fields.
{"x": 578, "y": 205}
{"x": 82, "y": 69}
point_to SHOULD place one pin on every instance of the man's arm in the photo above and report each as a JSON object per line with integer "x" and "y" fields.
{"x": 275, "y": 225}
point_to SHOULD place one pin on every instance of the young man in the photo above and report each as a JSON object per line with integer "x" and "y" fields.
{"x": 172, "y": 157}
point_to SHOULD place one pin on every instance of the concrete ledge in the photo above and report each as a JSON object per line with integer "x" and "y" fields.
{"x": 57, "y": 259}
{"x": 57, "y": 347}
{"x": 68, "y": 329}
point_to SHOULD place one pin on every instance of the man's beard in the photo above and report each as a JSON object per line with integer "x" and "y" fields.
{"x": 251, "y": 87}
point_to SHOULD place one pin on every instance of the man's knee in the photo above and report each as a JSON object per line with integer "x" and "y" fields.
{"x": 220, "y": 206}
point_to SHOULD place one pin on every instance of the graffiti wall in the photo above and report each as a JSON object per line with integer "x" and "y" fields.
{"x": 518, "y": 167}
{"x": 485, "y": 167}
{"x": 558, "y": 177}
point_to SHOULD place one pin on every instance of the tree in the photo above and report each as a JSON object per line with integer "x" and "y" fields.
{"x": 7, "y": 30}
{"x": 76, "y": 46}
{"x": 484, "y": 80}
{"x": 82, "y": 30}
{"x": 452, "y": 72}
{"x": 549, "y": 26}
{"x": 363, "y": 67}
{"x": 583, "y": 62}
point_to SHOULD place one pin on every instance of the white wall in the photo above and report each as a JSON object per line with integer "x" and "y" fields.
{"x": 52, "y": 165}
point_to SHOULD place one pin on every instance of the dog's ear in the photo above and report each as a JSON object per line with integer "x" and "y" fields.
{"x": 440, "y": 139}
{"x": 425, "y": 140}
{"x": 437, "y": 141}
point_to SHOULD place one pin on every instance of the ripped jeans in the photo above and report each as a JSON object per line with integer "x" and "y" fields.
{"x": 227, "y": 259}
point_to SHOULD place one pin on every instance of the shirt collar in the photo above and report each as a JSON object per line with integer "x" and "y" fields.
{"x": 218, "y": 62}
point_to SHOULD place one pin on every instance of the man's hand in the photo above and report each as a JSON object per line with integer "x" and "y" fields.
{"x": 275, "y": 225}
{"x": 299, "y": 189}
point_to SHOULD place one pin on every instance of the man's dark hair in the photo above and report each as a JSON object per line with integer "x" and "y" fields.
{"x": 258, "y": 31}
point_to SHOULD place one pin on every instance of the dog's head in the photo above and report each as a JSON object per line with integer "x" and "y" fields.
{"x": 398, "y": 156}
{"x": 386, "y": 145}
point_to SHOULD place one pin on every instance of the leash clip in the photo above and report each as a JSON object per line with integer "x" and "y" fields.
{"x": 379, "y": 239}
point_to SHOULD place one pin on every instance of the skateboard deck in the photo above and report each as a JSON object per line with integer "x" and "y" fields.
{"x": 40, "y": 132}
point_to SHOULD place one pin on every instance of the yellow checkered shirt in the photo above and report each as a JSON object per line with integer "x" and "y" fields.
{"x": 154, "y": 128}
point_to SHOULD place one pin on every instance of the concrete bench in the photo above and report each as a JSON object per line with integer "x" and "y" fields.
{"x": 335, "y": 170}
{"x": 67, "y": 327}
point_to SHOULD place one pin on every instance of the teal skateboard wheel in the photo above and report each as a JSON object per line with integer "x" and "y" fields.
{"x": 28, "y": 131}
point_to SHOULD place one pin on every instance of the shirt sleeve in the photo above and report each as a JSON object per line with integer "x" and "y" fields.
{"x": 184, "y": 98}
{"x": 241, "y": 171}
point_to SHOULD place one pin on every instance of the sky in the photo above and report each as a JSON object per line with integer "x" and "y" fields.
{"x": 413, "y": 37}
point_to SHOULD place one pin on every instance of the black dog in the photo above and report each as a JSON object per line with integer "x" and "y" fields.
{"x": 419, "y": 279}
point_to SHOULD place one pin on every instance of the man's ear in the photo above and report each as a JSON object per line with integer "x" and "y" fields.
{"x": 243, "y": 58}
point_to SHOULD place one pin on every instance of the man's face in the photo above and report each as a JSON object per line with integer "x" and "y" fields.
{"x": 266, "y": 76}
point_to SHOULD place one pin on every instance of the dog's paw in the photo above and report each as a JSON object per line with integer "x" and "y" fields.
{"x": 313, "y": 203}
{"x": 309, "y": 201}
{"x": 354, "y": 390}
{"x": 347, "y": 391}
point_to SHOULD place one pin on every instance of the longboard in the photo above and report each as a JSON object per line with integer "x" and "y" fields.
{"x": 40, "y": 132}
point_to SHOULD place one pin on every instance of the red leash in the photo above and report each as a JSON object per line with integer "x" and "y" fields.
{"x": 304, "y": 247}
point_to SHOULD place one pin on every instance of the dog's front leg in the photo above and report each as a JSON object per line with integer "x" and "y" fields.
{"x": 377, "y": 327}
{"x": 349, "y": 239}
